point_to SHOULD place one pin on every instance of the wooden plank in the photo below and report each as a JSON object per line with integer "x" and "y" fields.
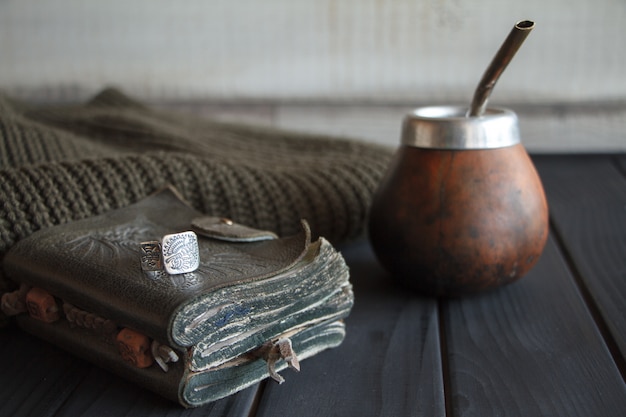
{"x": 388, "y": 365}
{"x": 323, "y": 49}
{"x": 620, "y": 159}
{"x": 36, "y": 377}
{"x": 530, "y": 349}
{"x": 566, "y": 124}
{"x": 103, "y": 393}
{"x": 381, "y": 122}
{"x": 587, "y": 198}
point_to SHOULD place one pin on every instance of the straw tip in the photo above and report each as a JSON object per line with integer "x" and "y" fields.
{"x": 525, "y": 25}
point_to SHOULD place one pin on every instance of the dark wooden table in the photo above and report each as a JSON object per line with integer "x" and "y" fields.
{"x": 551, "y": 344}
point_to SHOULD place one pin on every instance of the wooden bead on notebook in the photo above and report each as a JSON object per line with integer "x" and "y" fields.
{"x": 134, "y": 348}
{"x": 41, "y": 305}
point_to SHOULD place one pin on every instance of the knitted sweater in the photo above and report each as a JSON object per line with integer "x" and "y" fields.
{"x": 59, "y": 164}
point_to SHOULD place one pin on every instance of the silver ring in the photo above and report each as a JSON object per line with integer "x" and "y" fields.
{"x": 180, "y": 252}
{"x": 151, "y": 256}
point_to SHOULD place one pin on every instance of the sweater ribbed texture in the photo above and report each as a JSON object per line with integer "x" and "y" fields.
{"x": 59, "y": 164}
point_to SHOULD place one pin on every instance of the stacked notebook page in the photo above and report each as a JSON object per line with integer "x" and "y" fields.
{"x": 192, "y": 307}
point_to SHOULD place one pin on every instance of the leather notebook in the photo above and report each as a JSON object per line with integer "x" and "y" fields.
{"x": 192, "y": 307}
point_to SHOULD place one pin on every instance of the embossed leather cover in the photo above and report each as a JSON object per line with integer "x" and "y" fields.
{"x": 247, "y": 292}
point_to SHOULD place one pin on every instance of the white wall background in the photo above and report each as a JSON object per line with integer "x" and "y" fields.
{"x": 339, "y": 51}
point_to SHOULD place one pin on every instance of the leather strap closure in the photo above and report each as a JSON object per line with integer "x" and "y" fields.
{"x": 225, "y": 229}
{"x": 272, "y": 352}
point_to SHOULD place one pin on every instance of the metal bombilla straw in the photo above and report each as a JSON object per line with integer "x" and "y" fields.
{"x": 500, "y": 61}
